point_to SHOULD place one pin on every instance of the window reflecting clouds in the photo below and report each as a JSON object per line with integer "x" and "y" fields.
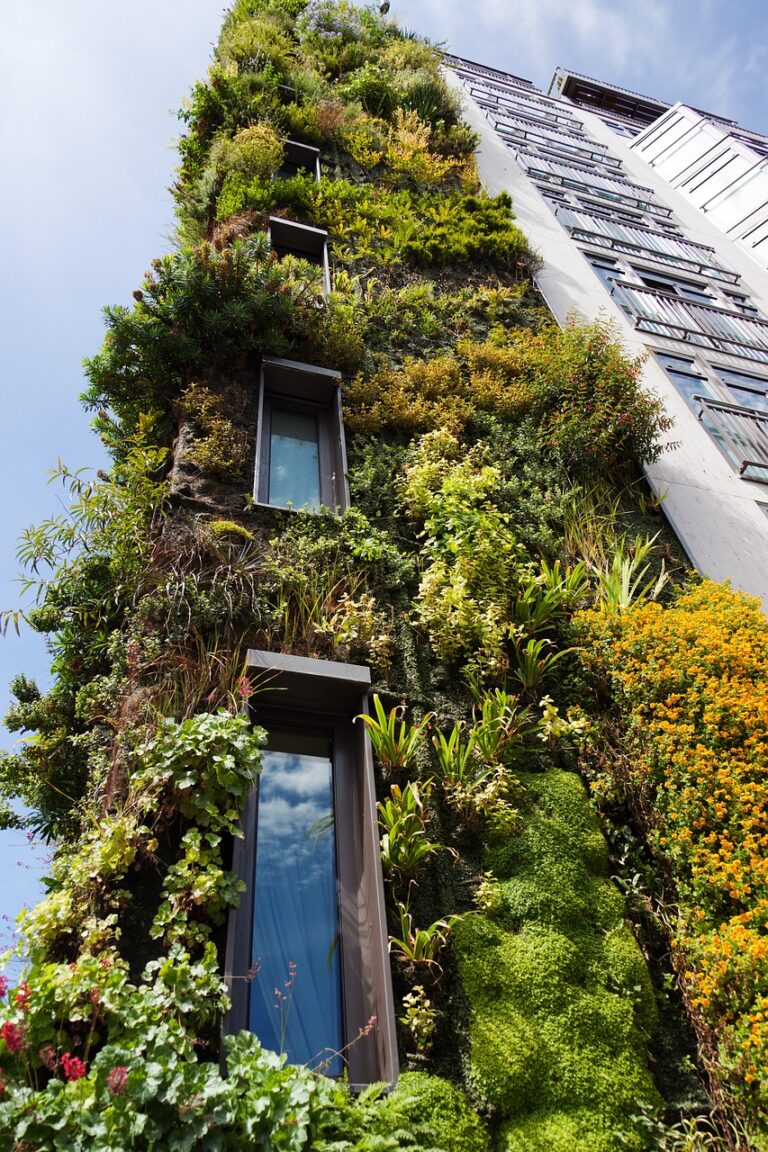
{"x": 295, "y": 1002}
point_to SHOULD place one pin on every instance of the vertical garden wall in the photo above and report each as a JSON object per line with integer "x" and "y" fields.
{"x": 493, "y": 467}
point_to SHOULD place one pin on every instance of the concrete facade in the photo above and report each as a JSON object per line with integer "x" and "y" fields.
{"x": 554, "y": 156}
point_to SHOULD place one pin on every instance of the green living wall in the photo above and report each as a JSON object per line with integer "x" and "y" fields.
{"x": 493, "y": 468}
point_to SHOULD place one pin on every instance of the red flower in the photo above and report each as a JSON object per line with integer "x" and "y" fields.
{"x": 3, "y": 985}
{"x": 72, "y": 1066}
{"x": 22, "y": 995}
{"x": 48, "y": 1058}
{"x": 95, "y": 995}
{"x": 13, "y": 1037}
{"x": 117, "y": 1078}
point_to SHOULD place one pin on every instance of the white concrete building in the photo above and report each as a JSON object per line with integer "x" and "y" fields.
{"x": 655, "y": 216}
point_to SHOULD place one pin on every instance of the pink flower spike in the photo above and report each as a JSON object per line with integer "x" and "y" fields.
{"x": 3, "y": 986}
{"x": 117, "y": 1079}
{"x": 48, "y": 1058}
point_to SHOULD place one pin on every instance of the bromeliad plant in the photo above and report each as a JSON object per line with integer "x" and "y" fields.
{"x": 627, "y": 576}
{"x": 404, "y": 843}
{"x": 418, "y": 949}
{"x": 395, "y": 742}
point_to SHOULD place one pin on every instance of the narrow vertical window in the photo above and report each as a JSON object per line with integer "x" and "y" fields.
{"x": 294, "y": 460}
{"x": 295, "y": 1002}
{"x": 307, "y": 964}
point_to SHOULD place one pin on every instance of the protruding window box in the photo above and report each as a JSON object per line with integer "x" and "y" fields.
{"x": 312, "y": 921}
{"x": 299, "y": 158}
{"x": 291, "y": 239}
{"x": 301, "y": 461}
{"x": 287, "y": 94}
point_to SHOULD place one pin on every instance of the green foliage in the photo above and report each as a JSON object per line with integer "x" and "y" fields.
{"x": 195, "y": 307}
{"x": 208, "y": 764}
{"x": 318, "y": 592}
{"x": 419, "y": 948}
{"x": 419, "y": 1019}
{"x": 588, "y": 402}
{"x": 626, "y": 578}
{"x": 404, "y": 843}
{"x": 535, "y": 663}
{"x": 395, "y": 743}
{"x": 442, "y": 1107}
{"x": 473, "y": 559}
{"x": 221, "y": 449}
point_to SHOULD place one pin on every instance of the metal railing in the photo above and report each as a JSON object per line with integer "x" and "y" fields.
{"x": 585, "y": 180}
{"x": 692, "y": 322}
{"x": 543, "y": 137}
{"x": 639, "y": 241}
{"x": 516, "y": 98}
{"x": 535, "y": 118}
{"x": 743, "y": 433}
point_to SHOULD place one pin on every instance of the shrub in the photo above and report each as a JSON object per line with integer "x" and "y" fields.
{"x": 373, "y": 86}
{"x": 473, "y": 558}
{"x": 220, "y": 448}
{"x": 420, "y": 396}
{"x": 255, "y": 153}
{"x": 587, "y": 399}
{"x": 689, "y": 685}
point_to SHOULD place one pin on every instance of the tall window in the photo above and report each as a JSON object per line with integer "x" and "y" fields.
{"x": 307, "y": 959}
{"x": 295, "y": 1002}
{"x": 294, "y": 458}
{"x": 299, "y": 158}
{"x": 300, "y": 451}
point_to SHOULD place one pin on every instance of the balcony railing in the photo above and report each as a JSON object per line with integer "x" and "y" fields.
{"x": 517, "y": 99}
{"x": 584, "y": 180}
{"x": 469, "y": 67}
{"x": 639, "y": 241}
{"x": 692, "y": 322}
{"x": 743, "y": 434}
{"x": 534, "y": 117}
{"x": 544, "y": 137}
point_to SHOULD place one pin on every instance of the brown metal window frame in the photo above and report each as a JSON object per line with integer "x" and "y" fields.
{"x": 288, "y": 237}
{"x": 324, "y": 694}
{"x": 311, "y": 389}
{"x": 299, "y": 157}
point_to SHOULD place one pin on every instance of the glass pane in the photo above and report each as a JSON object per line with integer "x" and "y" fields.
{"x": 294, "y": 460}
{"x": 750, "y": 391}
{"x": 295, "y": 1000}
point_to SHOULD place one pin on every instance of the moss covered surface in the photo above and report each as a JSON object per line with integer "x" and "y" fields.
{"x": 560, "y": 996}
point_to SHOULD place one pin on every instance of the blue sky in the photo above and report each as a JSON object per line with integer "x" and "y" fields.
{"x": 88, "y": 92}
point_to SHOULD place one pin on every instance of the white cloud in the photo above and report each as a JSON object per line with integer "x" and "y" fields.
{"x": 538, "y": 30}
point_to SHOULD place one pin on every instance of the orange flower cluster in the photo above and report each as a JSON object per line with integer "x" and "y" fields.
{"x": 691, "y": 680}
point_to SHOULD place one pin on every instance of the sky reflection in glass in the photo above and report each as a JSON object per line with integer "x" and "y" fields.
{"x": 294, "y": 460}
{"x": 295, "y": 911}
